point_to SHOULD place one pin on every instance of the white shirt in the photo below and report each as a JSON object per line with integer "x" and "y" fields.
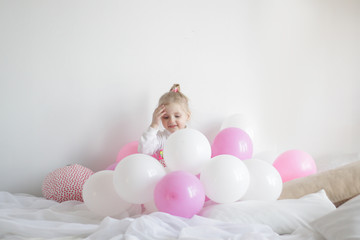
{"x": 153, "y": 140}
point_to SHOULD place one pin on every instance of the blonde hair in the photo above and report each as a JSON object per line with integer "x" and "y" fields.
{"x": 175, "y": 96}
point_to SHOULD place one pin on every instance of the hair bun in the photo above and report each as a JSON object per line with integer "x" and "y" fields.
{"x": 175, "y": 88}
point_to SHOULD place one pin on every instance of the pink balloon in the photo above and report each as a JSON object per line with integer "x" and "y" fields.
{"x": 233, "y": 141}
{"x": 294, "y": 164}
{"x": 179, "y": 193}
{"x": 128, "y": 149}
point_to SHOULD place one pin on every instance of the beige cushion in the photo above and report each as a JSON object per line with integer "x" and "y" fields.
{"x": 340, "y": 184}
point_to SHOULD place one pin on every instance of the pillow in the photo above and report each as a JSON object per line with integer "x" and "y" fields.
{"x": 340, "y": 184}
{"x": 283, "y": 216}
{"x": 66, "y": 183}
{"x": 341, "y": 224}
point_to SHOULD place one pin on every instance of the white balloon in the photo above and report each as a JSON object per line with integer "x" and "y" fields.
{"x": 225, "y": 179}
{"x": 239, "y": 121}
{"x": 265, "y": 181}
{"x": 136, "y": 176}
{"x": 100, "y": 196}
{"x": 187, "y": 150}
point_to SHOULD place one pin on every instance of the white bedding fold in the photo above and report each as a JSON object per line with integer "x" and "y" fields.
{"x": 25, "y": 216}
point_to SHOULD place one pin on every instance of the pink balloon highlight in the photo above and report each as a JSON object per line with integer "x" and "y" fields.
{"x": 179, "y": 193}
{"x": 233, "y": 141}
{"x": 294, "y": 164}
{"x": 206, "y": 197}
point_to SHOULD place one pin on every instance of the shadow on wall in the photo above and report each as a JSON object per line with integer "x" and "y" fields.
{"x": 327, "y": 162}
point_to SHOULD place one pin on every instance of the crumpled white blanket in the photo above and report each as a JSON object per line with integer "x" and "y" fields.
{"x": 28, "y": 217}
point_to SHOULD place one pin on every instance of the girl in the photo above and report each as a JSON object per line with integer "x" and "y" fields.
{"x": 173, "y": 113}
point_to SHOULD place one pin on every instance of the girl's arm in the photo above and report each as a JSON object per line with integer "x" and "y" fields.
{"x": 149, "y": 142}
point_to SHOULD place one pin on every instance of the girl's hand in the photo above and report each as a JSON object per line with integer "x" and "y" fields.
{"x": 158, "y": 113}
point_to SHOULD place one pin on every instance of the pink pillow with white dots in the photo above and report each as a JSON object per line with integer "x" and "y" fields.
{"x": 66, "y": 183}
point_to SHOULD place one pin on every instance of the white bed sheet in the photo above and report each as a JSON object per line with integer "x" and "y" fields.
{"x": 28, "y": 217}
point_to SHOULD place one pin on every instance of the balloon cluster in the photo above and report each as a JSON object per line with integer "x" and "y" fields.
{"x": 224, "y": 172}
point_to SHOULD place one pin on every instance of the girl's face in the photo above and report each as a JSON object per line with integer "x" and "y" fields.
{"x": 175, "y": 117}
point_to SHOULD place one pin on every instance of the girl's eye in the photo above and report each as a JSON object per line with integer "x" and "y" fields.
{"x": 177, "y": 116}
{"x": 165, "y": 117}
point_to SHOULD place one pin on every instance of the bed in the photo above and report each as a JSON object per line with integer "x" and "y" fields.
{"x": 321, "y": 206}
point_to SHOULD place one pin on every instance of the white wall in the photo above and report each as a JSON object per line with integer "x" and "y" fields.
{"x": 79, "y": 79}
